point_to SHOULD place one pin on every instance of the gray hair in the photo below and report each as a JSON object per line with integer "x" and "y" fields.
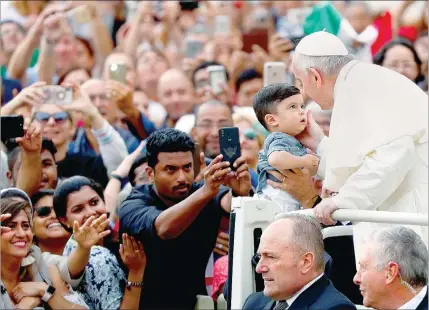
{"x": 307, "y": 237}
{"x": 328, "y": 65}
{"x": 405, "y": 247}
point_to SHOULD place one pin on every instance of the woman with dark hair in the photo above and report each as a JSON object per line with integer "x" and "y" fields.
{"x": 49, "y": 234}
{"x": 27, "y": 280}
{"x": 400, "y": 55}
{"x": 76, "y": 200}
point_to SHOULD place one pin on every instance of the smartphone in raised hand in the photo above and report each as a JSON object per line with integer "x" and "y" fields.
{"x": 217, "y": 78}
{"x": 229, "y": 142}
{"x": 59, "y": 95}
{"x": 12, "y": 127}
{"x": 274, "y": 72}
{"x": 118, "y": 72}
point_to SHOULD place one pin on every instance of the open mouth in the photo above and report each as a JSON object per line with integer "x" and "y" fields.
{"x": 54, "y": 225}
{"x": 20, "y": 244}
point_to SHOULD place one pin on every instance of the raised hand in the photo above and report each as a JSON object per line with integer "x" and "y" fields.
{"x": 203, "y": 168}
{"x": 216, "y": 174}
{"x": 29, "y": 289}
{"x": 32, "y": 140}
{"x": 239, "y": 180}
{"x": 124, "y": 168}
{"x": 132, "y": 254}
{"x": 3, "y": 217}
{"x": 32, "y": 95}
{"x": 91, "y": 232}
{"x": 121, "y": 94}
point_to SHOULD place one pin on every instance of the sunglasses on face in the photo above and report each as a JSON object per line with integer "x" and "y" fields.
{"x": 44, "y": 117}
{"x": 44, "y": 211}
{"x": 249, "y": 134}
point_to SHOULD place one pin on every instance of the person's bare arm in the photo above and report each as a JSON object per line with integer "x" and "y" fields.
{"x": 282, "y": 160}
{"x": 132, "y": 39}
{"x": 30, "y": 172}
{"x": 103, "y": 43}
{"x": 21, "y": 58}
{"x": 172, "y": 222}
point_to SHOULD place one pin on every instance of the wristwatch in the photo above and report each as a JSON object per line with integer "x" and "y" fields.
{"x": 50, "y": 290}
{"x": 117, "y": 177}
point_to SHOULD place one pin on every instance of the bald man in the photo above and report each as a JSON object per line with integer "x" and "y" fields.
{"x": 176, "y": 95}
{"x": 84, "y": 143}
{"x": 376, "y": 156}
{"x": 291, "y": 261}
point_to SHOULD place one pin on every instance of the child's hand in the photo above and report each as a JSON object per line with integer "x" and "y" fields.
{"x": 311, "y": 161}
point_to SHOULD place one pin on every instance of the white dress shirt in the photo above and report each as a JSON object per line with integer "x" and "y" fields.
{"x": 416, "y": 300}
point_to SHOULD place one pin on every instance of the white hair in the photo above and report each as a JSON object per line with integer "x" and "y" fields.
{"x": 327, "y": 65}
{"x": 405, "y": 247}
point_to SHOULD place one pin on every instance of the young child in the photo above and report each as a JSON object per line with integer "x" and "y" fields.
{"x": 280, "y": 109}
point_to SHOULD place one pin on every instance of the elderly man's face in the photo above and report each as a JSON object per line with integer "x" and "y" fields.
{"x": 311, "y": 86}
{"x": 209, "y": 119}
{"x": 372, "y": 282}
{"x": 176, "y": 95}
{"x": 96, "y": 90}
{"x": 278, "y": 264}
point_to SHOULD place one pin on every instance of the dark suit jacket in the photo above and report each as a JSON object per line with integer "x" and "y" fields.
{"x": 424, "y": 304}
{"x": 320, "y": 295}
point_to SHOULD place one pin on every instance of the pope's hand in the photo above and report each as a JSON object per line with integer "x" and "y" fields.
{"x": 324, "y": 210}
{"x": 312, "y": 134}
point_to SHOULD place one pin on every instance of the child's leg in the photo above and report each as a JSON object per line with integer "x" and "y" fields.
{"x": 285, "y": 201}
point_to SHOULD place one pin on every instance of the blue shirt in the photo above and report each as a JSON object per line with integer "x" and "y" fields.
{"x": 276, "y": 141}
{"x": 81, "y": 145}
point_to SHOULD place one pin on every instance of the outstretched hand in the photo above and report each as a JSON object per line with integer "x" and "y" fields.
{"x": 91, "y": 232}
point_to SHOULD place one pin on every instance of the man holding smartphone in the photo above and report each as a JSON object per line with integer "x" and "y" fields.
{"x": 173, "y": 215}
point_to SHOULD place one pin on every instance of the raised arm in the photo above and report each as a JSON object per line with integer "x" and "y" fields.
{"x": 30, "y": 172}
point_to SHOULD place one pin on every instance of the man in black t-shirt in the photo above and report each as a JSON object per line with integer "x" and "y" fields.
{"x": 177, "y": 220}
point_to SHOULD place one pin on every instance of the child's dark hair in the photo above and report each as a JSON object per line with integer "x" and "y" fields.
{"x": 268, "y": 97}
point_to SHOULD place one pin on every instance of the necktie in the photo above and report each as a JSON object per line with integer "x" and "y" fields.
{"x": 281, "y": 305}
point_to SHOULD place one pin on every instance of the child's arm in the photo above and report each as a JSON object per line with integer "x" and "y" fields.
{"x": 282, "y": 160}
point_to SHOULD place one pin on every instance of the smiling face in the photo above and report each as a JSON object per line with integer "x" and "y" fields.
{"x": 17, "y": 242}
{"x": 81, "y": 205}
{"x": 289, "y": 116}
{"x": 45, "y": 223}
{"x": 372, "y": 282}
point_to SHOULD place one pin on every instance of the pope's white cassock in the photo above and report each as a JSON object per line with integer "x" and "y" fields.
{"x": 376, "y": 156}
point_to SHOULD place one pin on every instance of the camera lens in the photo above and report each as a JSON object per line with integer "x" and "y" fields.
{"x": 61, "y": 95}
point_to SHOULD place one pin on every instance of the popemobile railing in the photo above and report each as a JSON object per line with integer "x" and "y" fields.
{"x": 250, "y": 216}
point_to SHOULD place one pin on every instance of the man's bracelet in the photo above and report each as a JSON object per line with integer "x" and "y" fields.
{"x": 135, "y": 284}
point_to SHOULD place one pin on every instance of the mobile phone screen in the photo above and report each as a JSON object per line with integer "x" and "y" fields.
{"x": 12, "y": 127}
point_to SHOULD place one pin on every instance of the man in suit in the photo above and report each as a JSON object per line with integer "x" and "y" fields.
{"x": 291, "y": 261}
{"x": 393, "y": 270}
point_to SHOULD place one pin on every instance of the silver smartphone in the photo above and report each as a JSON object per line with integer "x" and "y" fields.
{"x": 59, "y": 95}
{"x": 222, "y": 24}
{"x": 274, "y": 72}
{"x": 217, "y": 78}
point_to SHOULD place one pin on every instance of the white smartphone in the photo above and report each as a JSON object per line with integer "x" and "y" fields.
{"x": 217, "y": 78}
{"x": 59, "y": 95}
{"x": 274, "y": 72}
{"x": 222, "y": 24}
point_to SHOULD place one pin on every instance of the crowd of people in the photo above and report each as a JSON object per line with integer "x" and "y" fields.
{"x": 117, "y": 195}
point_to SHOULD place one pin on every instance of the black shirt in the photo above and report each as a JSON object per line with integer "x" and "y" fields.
{"x": 175, "y": 271}
{"x": 88, "y": 166}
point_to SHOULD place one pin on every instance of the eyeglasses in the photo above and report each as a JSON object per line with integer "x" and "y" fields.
{"x": 44, "y": 211}
{"x": 101, "y": 96}
{"x": 44, "y": 117}
{"x": 209, "y": 125}
{"x": 250, "y": 134}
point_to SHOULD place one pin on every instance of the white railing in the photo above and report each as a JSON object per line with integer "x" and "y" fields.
{"x": 372, "y": 216}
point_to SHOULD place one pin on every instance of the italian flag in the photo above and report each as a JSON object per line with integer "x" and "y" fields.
{"x": 325, "y": 17}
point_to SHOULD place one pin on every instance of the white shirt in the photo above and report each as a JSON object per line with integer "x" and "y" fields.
{"x": 296, "y": 295}
{"x": 416, "y": 300}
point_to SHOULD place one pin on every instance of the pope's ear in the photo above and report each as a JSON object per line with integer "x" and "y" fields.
{"x": 316, "y": 76}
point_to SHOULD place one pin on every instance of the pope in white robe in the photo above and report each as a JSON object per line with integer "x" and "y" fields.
{"x": 376, "y": 156}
